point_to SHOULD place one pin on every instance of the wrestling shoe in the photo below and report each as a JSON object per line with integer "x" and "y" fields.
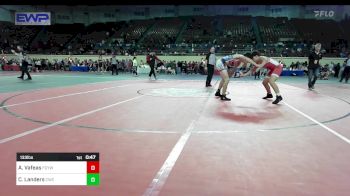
{"x": 269, "y": 95}
{"x": 278, "y": 99}
{"x": 224, "y": 98}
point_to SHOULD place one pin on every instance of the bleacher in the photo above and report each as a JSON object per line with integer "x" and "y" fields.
{"x": 94, "y": 36}
{"x": 326, "y": 31}
{"x": 237, "y": 33}
{"x": 181, "y": 36}
{"x": 163, "y": 32}
{"x": 132, "y": 31}
{"x": 53, "y": 38}
{"x": 273, "y": 30}
{"x": 11, "y": 34}
{"x": 345, "y": 24}
{"x": 199, "y": 29}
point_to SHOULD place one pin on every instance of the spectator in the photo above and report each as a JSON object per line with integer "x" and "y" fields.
{"x": 325, "y": 72}
{"x": 336, "y": 69}
{"x": 134, "y": 66}
{"x": 114, "y": 64}
{"x": 346, "y": 71}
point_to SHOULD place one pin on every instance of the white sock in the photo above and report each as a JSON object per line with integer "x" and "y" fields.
{"x": 278, "y": 94}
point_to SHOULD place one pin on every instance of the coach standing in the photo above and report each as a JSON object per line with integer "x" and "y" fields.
{"x": 134, "y": 66}
{"x": 210, "y": 61}
{"x": 314, "y": 66}
{"x": 346, "y": 71}
{"x": 151, "y": 61}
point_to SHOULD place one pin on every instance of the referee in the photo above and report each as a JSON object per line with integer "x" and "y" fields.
{"x": 210, "y": 59}
{"x": 314, "y": 65}
{"x": 23, "y": 60}
{"x": 114, "y": 64}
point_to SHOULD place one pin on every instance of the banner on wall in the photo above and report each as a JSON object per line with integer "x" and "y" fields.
{"x": 33, "y": 18}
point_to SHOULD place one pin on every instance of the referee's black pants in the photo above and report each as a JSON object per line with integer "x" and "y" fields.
{"x": 152, "y": 72}
{"x": 134, "y": 70}
{"x": 24, "y": 69}
{"x": 114, "y": 69}
{"x": 210, "y": 74}
{"x": 345, "y": 74}
{"x": 313, "y": 74}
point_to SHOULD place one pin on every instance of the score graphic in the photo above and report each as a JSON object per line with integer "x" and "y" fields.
{"x": 93, "y": 176}
{"x": 58, "y": 169}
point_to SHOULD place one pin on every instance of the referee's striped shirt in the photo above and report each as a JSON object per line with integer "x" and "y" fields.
{"x": 20, "y": 57}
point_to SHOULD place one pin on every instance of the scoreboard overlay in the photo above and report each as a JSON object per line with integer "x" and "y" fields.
{"x": 58, "y": 169}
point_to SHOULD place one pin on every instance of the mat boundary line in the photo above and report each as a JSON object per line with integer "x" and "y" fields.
{"x": 64, "y": 120}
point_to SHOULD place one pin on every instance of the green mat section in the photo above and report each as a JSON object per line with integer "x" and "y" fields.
{"x": 53, "y": 80}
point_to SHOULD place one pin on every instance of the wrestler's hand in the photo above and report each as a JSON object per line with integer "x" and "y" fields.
{"x": 241, "y": 74}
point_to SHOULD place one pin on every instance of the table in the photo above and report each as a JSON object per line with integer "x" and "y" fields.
{"x": 284, "y": 72}
{"x": 143, "y": 70}
{"x": 11, "y": 67}
{"x": 79, "y": 68}
{"x": 292, "y": 73}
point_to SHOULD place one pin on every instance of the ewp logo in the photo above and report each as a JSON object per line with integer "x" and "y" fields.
{"x": 33, "y": 18}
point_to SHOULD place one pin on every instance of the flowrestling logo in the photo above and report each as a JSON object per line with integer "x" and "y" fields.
{"x": 324, "y": 13}
{"x": 33, "y": 18}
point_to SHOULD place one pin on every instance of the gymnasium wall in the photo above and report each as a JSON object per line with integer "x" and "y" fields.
{"x": 101, "y": 14}
{"x": 286, "y": 60}
{"x": 5, "y": 15}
